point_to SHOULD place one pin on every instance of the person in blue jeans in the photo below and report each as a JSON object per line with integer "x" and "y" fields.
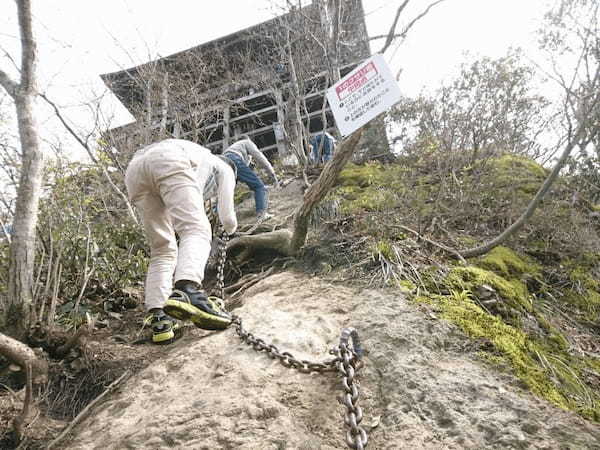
{"x": 241, "y": 154}
{"x": 322, "y": 146}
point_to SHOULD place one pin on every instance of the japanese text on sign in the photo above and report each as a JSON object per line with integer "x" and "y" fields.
{"x": 363, "y": 94}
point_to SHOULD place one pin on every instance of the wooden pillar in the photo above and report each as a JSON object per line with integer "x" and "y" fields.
{"x": 226, "y": 127}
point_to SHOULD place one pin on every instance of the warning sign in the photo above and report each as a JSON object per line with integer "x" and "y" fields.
{"x": 363, "y": 94}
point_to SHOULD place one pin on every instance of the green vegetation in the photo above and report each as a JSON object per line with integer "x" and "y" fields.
{"x": 547, "y": 369}
{"x": 505, "y": 262}
{"x": 515, "y": 297}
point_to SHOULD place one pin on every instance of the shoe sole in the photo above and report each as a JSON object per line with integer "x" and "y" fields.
{"x": 163, "y": 338}
{"x": 201, "y": 319}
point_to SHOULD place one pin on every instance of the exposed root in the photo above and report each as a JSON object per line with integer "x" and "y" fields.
{"x": 278, "y": 241}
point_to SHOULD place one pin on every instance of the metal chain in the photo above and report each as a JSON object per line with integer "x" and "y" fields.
{"x": 348, "y": 365}
{"x": 347, "y": 360}
{"x": 285, "y": 358}
{"x": 221, "y": 263}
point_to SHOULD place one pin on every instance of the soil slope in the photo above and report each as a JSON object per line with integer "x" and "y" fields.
{"x": 422, "y": 386}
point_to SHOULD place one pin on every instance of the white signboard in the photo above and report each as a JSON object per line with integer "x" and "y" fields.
{"x": 363, "y": 94}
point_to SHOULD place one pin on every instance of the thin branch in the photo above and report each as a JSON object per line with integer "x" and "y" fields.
{"x": 87, "y": 409}
{"x": 9, "y": 85}
{"x": 11, "y": 59}
{"x": 5, "y": 231}
{"x": 392, "y": 35}
{"x": 90, "y": 153}
{"x": 436, "y": 244}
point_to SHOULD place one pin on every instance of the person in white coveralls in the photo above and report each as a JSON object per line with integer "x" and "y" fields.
{"x": 168, "y": 182}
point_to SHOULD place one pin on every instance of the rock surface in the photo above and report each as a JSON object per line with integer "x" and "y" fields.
{"x": 422, "y": 386}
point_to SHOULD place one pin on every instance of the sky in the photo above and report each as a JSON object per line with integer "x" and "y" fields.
{"x": 79, "y": 40}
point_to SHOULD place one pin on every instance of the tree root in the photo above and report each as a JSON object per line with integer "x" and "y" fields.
{"x": 74, "y": 340}
{"x": 36, "y": 371}
{"x": 242, "y": 286}
{"x": 278, "y": 241}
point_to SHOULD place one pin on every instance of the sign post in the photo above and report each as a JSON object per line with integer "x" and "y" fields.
{"x": 363, "y": 94}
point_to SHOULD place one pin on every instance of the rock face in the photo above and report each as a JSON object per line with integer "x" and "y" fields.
{"x": 422, "y": 386}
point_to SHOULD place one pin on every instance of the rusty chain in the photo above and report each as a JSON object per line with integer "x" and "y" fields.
{"x": 347, "y": 360}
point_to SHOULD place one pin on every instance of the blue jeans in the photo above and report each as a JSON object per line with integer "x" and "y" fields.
{"x": 327, "y": 148}
{"x": 246, "y": 175}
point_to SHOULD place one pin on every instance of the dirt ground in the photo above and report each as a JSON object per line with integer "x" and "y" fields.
{"x": 423, "y": 385}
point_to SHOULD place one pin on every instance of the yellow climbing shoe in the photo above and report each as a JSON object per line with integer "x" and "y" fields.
{"x": 163, "y": 327}
{"x": 188, "y": 302}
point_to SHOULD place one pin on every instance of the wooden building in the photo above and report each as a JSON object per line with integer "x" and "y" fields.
{"x": 267, "y": 81}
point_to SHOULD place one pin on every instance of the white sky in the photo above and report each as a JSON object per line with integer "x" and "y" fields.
{"x": 80, "y": 39}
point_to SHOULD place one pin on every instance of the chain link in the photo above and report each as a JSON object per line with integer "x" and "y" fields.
{"x": 347, "y": 360}
{"x": 348, "y": 365}
{"x": 221, "y": 263}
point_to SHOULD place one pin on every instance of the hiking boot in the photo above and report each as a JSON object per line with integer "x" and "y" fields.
{"x": 163, "y": 327}
{"x": 263, "y": 215}
{"x": 189, "y": 302}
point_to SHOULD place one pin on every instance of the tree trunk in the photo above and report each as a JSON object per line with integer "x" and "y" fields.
{"x": 319, "y": 188}
{"x": 22, "y": 248}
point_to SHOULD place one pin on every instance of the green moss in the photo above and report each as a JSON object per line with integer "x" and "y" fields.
{"x": 514, "y": 292}
{"x": 515, "y": 163}
{"x": 406, "y": 286}
{"x": 559, "y": 341}
{"x": 580, "y": 276}
{"x": 467, "y": 241}
{"x": 512, "y": 344}
{"x": 584, "y": 291}
{"x": 505, "y": 262}
{"x": 370, "y": 187}
{"x": 546, "y": 368}
{"x": 512, "y": 177}
{"x": 370, "y": 199}
{"x": 361, "y": 175}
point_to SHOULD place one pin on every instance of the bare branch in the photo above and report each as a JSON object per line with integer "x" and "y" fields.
{"x": 574, "y": 140}
{"x": 9, "y": 85}
{"x": 85, "y": 412}
{"x": 90, "y": 153}
{"x": 392, "y": 33}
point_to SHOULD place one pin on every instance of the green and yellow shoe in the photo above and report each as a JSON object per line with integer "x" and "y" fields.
{"x": 188, "y": 302}
{"x": 163, "y": 327}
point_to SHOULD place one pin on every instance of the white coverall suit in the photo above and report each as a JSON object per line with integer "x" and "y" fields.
{"x": 168, "y": 182}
